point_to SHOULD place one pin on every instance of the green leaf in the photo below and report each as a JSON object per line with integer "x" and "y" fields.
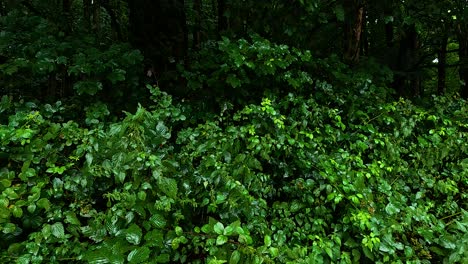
{"x": 168, "y": 186}
{"x": 267, "y": 240}
{"x": 5, "y": 182}
{"x": 70, "y": 217}
{"x": 158, "y": 221}
{"x": 43, "y": 203}
{"x": 229, "y": 230}
{"x": 87, "y": 87}
{"x": 154, "y": 238}
{"x": 17, "y": 212}
{"x": 9, "y": 228}
{"x": 233, "y": 81}
{"x": 221, "y": 240}
{"x": 235, "y": 257}
{"x": 116, "y": 76}
{"x": 391, "y": 209}
{"x": 163, "y": 258}
{"x": 133, "y": 234}
{"x": 274, "y": 252}
{"x": 218, "y": 228}
{"x": 179, "y": 230}
{"x": 100, "y": 256}
{"x": 138, "y": 255}
{"x": 57, "y": 230}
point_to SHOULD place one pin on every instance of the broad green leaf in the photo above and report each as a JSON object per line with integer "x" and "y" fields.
{"x": 58, "y": 230}
{"x": 9, "y": 228}
{"x": 43, "y": 203}
{"x": 138, "y": 255}
{"x": 218, "y": 228}
{"x": 5, "y": 182}
{"x": 229, "y": 230}
{"x": 154, "y": 238}
{"x": 70, "y": 217}
{"x": 168, "y": 186}
{"x": 120, "y": 176}
{"x": 100, "y": 256}
{"x": 17, "y": 212}
{"x": 179, "y": 231}
{"x": 158, "y": 220}
{"x": 133, "y": 234}
{"x": 4, "y": 202}
{"x": 391, "y": 209}
{"x": 274, "y": 252}
{"x": 267, "y": 240}
{"x": 221, "y": 240}
{"x": 235, "y": 257}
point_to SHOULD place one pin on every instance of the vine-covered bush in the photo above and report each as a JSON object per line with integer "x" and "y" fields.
{"x": 289, "y": 180}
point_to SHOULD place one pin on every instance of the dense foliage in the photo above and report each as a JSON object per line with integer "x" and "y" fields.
{"x": 246, "y": 132}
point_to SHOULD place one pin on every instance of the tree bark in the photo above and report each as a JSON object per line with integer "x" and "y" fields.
{"x": 222, "y": 19}
{"x": 97, "y": 16}
{"x": 354, "y": 16}
{"x": 197, "y": 22}
{"x": 407, "y": 81}
{"x": 87, "y": 13}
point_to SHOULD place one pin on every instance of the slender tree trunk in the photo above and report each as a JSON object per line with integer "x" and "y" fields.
{"x": 407, "y": 81}
{"x": 87, "y": 13}
{"x": 97, "y": 16}
{"x": 441, "y": 65}
{"x": 222, "y": 19}
{"x": 414, "y": 54}
{"x": 354, "y": 16}
{"x": 365, "y": 37}
{"x": 68, "y": 20}
{"x": 197, "y": 27}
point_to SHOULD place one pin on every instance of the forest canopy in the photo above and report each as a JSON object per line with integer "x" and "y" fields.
{"x": 233, "y": 131}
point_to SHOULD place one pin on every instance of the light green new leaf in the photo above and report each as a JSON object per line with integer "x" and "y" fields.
{"x": 221, "y": 240}
{"x": 218, "y": 228}
{"x": 267, "y": 240}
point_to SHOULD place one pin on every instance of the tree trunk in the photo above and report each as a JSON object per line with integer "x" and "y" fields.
{"x": 67, "y": 17}
{"x": 354, "y": 16}
{"x": 158, "y": 29}
{"x": 97, "y": 16}
{"x": 441, "y": 65}
{"x": 197, "y": 22}
{"x": 222, "y": 19}
{"x": 365, "y": 38}
{"x": 87, "y": 13}
{"x": 407, "y": 81}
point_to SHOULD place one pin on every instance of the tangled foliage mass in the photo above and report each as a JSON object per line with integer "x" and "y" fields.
{"x": 241, "y": 141}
